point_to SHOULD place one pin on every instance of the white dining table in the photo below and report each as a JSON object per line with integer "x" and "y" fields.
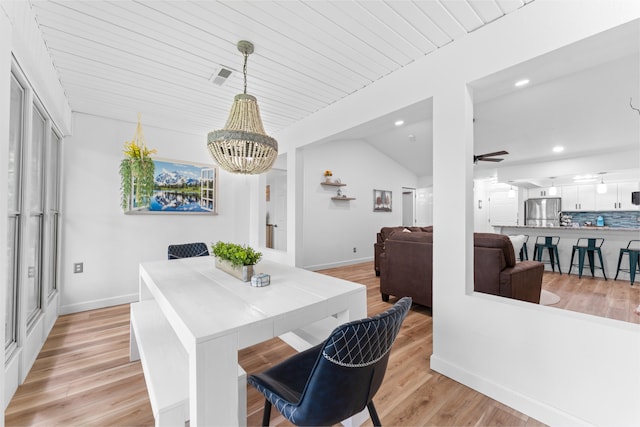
{"x": 213, "y": 315}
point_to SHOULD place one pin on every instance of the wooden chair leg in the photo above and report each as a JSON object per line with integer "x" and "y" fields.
{"x": 373, "y": 414}
{"x": 266, "y": 416}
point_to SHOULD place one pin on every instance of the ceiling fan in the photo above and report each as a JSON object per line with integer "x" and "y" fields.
{"x": 489, "y": 157}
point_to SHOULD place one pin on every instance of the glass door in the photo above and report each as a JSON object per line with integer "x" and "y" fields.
{"x": 13, "y": 204}
{"x": 33, "y": 285}
{"x": 52, "y": 214}
{"x": 33, "y": 201}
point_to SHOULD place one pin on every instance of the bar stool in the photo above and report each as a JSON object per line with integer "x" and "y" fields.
{"x": 589, "y": 246}
{"x": 524, "y": 256}
{"x": 633, "y": 250}
{"x": 519, "y": 243}
{"x": 551, "y": 244}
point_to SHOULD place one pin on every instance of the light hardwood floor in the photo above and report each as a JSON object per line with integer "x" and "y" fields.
{"x": 83, "y": 376}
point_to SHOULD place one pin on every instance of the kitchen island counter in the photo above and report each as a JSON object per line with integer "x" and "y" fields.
{"x": 614, "y": 240}
{"x": 580, "y": 229}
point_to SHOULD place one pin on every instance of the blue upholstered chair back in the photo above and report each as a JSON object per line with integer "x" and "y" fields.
{"x": 187, "y": 250}
{"x": 348, "y": 371}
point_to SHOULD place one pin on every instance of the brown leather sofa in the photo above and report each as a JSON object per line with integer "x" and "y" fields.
{"x": 383, "y": 235}
{"x": 407, "y": 269}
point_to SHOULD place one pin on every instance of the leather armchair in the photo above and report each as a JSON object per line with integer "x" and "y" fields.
{"x": 497, "y": 272}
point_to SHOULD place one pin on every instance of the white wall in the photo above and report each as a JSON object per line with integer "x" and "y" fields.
{"x": 560, "y": 367}
{"x": 554, "y": 365}
{"x": 5, "y": 70}
{"x": 333, "y": 228}
{"x": 112, "y": 244}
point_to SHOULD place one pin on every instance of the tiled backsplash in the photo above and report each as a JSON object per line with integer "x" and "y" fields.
{"x": 613, "y": 219}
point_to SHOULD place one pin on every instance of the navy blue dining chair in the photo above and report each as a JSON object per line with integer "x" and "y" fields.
{"x": 337, "y": 379}
{"x": 187, "y": 250}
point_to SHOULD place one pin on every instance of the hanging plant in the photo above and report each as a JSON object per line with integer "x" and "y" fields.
{"x": 136, "y": 172}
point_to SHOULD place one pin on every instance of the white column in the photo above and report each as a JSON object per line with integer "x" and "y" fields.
{"x": 452, "y": 202}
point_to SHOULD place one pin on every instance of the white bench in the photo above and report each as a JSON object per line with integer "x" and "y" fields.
{"x": 165, "y": 364}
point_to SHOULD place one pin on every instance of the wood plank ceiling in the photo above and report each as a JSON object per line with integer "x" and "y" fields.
{"x": 118, "y": 58}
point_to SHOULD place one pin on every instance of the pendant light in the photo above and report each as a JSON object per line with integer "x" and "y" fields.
{"x": 242, "y": 146}
{"x": 553, "y": 190}
{"x": 602, "y": 187}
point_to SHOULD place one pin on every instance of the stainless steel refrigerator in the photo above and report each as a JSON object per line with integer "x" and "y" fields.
{"x": 544, "y": 212}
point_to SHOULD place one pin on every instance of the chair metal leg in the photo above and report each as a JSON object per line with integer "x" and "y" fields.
{"x": 602, "y": 264}
{"x": 592, "y": 264}
{"x": 553, "y": 264}
{"x": 373, "y": 414}
{"x": 619, "y": 262}
{"x": 573, "y": 254}
{"x": 266, "y": 416}
{"x": 555, "y": 249}
{"x": 581, "y": 262}
{"x": 634, "y": 259}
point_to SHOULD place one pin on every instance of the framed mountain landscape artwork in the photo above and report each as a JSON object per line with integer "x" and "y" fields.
{"x": 181, "y": 187}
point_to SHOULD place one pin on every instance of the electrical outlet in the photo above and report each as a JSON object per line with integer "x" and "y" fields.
{"x": 78, "y": 267}
{"x": 355, "y": 250}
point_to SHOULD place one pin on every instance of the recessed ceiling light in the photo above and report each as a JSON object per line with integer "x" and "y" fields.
{"x": 522, "y": 82}
{"x": 558, "y": 149}
{"x": 399, "y": 122}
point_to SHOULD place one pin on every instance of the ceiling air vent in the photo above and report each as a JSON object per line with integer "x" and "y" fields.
{"x": 221, "y": 77}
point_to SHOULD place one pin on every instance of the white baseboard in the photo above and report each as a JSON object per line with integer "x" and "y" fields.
{"x": 99, "y": 303}
{"x": 534, "y": 408}
{"x": 337, "y": 264}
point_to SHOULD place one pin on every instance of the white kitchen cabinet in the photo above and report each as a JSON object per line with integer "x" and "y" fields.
{"x": 535, "y": 193}
{"x": 624, "y": 195}
{"x": 617, "y": 197}
{"x": 579, "y": 197}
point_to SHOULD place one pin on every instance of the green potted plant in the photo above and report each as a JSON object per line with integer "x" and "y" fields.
{"x": 136, "y": 173}
{"x": 237, "y": 260}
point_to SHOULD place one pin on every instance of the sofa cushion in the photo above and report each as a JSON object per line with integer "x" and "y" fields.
{"x": 500, "y": 241}
{"x": 414, "y": 236}
{"x": 386, "y": 232}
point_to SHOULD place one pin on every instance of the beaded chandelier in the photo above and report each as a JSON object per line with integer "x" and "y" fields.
{"x": 242, "y": 146}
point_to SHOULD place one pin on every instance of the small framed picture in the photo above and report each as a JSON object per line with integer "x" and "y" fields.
{"x": 382, "y": 200}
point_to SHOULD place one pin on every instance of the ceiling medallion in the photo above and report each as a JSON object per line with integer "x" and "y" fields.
{"x": 242, "y": 146}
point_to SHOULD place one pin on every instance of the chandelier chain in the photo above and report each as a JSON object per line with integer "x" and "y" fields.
{"x": 244, "y": 70}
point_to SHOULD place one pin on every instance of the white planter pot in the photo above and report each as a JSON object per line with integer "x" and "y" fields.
{"x": 243, "y": 273}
